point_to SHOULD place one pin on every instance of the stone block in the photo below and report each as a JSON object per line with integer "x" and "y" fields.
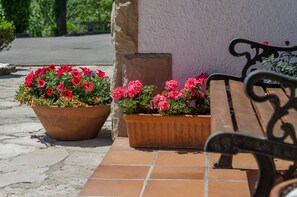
{"x": 150, "y": 68}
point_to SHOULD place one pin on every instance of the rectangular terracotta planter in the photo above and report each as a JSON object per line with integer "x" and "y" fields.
{"x": 146, "y": 130}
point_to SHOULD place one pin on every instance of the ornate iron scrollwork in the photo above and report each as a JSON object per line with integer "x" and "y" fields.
{"x": 284, "y": 81}
{"x": 261, "y": 51}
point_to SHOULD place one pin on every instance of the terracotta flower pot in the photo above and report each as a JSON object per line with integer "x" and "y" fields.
{"x": 284, "y": 188}
{"x": 77, "y": 123}
{"x": 148, "y": 130}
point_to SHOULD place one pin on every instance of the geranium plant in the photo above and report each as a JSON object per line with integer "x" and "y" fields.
{"x": 193, "y": 98}
{"x": 136, "y": 98}
{"x": 64, "y": 86}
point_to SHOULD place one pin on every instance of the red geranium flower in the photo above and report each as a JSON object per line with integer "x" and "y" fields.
{"x": 60, "y": 87}
{"x": 76, "y": 81}
{"x": 63, "y": 69}
{"x": 29, "y": 79}
{"x": 67, "y": 94}
{"x": 86, "y": 71}
{"x": 49, "y": 91}
{"x": 100, "y": 74}
{"x": 75, "y": 73}
{"x": 41, "y": 83}
{"x": 52, "y": 67}
{"x": 265, "y": 42}
{"x": 88, "y": 86}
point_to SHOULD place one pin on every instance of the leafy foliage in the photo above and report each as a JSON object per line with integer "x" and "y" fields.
{"x": 17, "y": 11}
{"x": 285, "y": 63}
{"x": 42, "y": 20}
{"x": 88, "y": 10}
{"x": 6, "y": 34}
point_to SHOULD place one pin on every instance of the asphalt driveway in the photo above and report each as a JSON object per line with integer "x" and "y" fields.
{"x": 88, "y": 50}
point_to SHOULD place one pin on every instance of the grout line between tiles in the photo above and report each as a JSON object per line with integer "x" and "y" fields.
{"x": 126, "y": 164}
{"x": 117, "y": 179}
{"x": 206, "y": 174}
{"x": 149, "y": 174}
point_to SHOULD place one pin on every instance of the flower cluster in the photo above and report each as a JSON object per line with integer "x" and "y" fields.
{"x": 135, "y": 98}
{"x": 190, "y": 99}
{"x": 64, "y": 86}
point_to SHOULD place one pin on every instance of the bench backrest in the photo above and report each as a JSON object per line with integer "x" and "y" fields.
{"x": 259, "y": 51}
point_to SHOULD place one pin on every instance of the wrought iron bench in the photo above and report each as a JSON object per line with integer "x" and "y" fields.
{"x": 254, "y": 113}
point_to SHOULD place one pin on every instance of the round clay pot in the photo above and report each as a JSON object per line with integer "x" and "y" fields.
{"x": 283, "y": 188}
{"x": 72, "y": 123}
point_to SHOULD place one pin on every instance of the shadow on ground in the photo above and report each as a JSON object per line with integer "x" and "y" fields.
{"x": 91, "y": 143}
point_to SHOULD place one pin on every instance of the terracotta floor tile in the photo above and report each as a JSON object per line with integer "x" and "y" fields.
{"x": 155, "y": 188}
{"x": 177, "y": 172}
{"x": 129, "y": 157}
{"x": 121, "y": 172}
{"x": 180, "y": 158}
{"x": 111, "y": 188}
{"x": 240, "y": 161}
{"x": 121, "y": 144}
{"x": 223, "y": 189}
{"x": 232, "y": 174}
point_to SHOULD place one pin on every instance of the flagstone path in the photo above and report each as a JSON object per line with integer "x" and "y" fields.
{"x": 33, "y": 164}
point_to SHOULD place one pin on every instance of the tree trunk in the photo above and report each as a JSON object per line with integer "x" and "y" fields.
{"x": 60, "y": 10}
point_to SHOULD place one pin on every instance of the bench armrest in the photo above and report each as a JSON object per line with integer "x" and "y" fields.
{"x": 286, "y": 82}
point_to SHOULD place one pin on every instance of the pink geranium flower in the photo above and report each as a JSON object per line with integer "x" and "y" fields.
{"x": 171, "y": 85}
{"x": 173, "y": 95}
{"x": 191, "y": 83}
{"x": 41, "y": 83}
{"x": 118, "y": 93}
{"x": 163, "y": 105}
{"x": 60, "y": 87}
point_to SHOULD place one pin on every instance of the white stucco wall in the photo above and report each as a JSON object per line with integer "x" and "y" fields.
{"x": 198, "y": 32}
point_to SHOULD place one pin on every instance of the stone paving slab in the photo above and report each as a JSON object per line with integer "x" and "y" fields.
{"x": 33, "y": 164}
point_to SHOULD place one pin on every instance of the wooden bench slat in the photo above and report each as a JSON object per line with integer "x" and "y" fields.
{"x": 264, "y": 111}
{"x": 246, "y": 120}
{"x": 220, "y": 112}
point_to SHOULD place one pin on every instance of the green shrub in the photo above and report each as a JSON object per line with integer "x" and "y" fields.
{"x": 6, "y": 33}
{"x": 17, "y": 11}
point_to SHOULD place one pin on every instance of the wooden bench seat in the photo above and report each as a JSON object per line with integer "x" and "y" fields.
{"x": 250, "y": 115}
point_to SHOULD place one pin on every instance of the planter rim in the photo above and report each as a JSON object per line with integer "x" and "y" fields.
{"x": 159, "y": 115}
{"x": 54, "y": 106}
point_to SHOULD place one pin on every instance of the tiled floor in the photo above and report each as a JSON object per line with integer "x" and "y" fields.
{"x": 126, "y": 171}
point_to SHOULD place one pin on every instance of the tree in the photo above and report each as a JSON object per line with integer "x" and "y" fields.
{"x": 17, "y": 11}
{"x": 61, "y": 12}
